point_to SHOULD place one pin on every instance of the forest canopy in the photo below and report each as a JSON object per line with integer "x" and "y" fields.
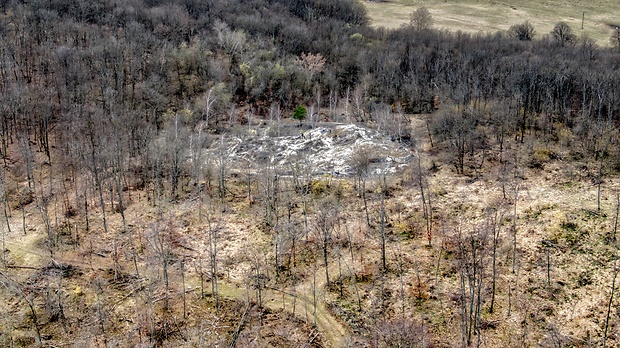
{"x": 136, "y": 59}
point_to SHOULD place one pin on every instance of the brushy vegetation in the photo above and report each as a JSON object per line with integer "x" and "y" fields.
{"x": 127, "y": 221}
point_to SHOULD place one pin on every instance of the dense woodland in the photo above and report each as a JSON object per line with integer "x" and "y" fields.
{"x": 106, "y": 101}
{"x": 66, "y": 64}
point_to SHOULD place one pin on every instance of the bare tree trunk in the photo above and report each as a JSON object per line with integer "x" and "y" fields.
{"x": 121, "y": 209}
{"x": 213, "y": 239}
{"x": 305, "y": 212}
{"x": 166, "y": 280}
{"x": 35, "y": 318}
{"x": 516, "y": 291}
{"x": 365, "y": 202}
{"x": 59, "y": 296}
{"x": 495, "y": 229}
{"x": 382, "y": 227}
{"x": 326, "y": 220}
{"x": 97, "y": 177}
{"x": 339, "y": 270}
{"x": 509, "y": 301}
{"x": 548, "y": 267}
{"x": 314, "y": 292}
{"x": 87, "y": 220}
{"x": 318, "y": 103}
{"x": 23, "y": 208}
{"x": 399, "y": 259}
{"x": 294, "y": 283}
{"x": 346, "y": 104}
{"x": 514, "y": 229}
{"x": 221, "y": 166}
{"x": 464, "y": 314}
{"x": 48, "y": 227}
{"x": 6, "y": 210}
{"x": 202, "y": 278}
{"x": 426, "y": 203}
{"x": 613, "y": 237}
{"x": 598, "y": 185}
{"x": 325, "y": 246}
{"x": 100, "y": 312}
{"x": 611, "y": 299}
{"x": 3, "y": 191}
{"x": 183, "y": 284}
{"x": 249, "y": 174}
{"x": 235, "y": 336}
{"x": 478, "y": 314}
{"x": 258, "y": 281}
{"x": 161, "y": 245}
{"x": 354, "y": 280}
{"x": 429, "y": 132}
{"x": 28, "y": 298}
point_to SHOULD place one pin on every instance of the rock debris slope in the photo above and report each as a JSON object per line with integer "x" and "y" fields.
{"x": 328, "y": 149}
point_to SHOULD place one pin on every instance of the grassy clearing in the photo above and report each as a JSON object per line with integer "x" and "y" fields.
{"x": 491, "y": 16}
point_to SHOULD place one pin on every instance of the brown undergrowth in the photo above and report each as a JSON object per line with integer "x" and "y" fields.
{"x": 148, "y": 281}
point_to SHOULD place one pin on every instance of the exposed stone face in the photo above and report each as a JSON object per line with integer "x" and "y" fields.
{"x": 326, "y": 149}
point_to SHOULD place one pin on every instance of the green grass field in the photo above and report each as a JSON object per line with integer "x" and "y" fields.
{"x": 491, "y": 16}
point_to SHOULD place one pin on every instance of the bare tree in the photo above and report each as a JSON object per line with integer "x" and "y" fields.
{"x": 493, "y": 225}
{"x": 213, "y": 228}
{"x": 471, "y": 256}
{"x": 210, "y": 99}
{"x": 176, "y": 142}
{"x": 302, "y": 171}
{"x": 563, "y": 34}
{"x": 28, "y": 297}
{"x": 231, "y": 41}
{"x": 611, "y": 299}
{"x": 382, "y": 223}
{"x": 523, "y": 31}
{"x": 269, "y": 180}
{"x": 421, "y": 19}
{"x": 275, "y": 117}
{"x": 99, "y": 285}
{"x": 96, "y": 163}
{"x": 359, "y": 99}
{"x": 613, "y": 236}
{"x": 326, "y": 219}
{"x": 23, "y": 142}
{"x": 360, "y": 162}
{"x": 422, "y": 182}
{"x": 161, "y": 242}
{"x": 221, "y": 162}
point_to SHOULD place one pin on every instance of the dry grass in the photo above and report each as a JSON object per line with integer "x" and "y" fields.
{"x": 491, "y": 16}
{"x": 555, "y": 203}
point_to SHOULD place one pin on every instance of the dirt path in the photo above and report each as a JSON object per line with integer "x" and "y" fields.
{"x": 298, "y": 301}
{"x": 26, "y": 252}
{"x": 302, "y": 303}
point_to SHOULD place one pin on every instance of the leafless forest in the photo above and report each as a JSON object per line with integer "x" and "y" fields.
{"x": 277, "y": 173}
